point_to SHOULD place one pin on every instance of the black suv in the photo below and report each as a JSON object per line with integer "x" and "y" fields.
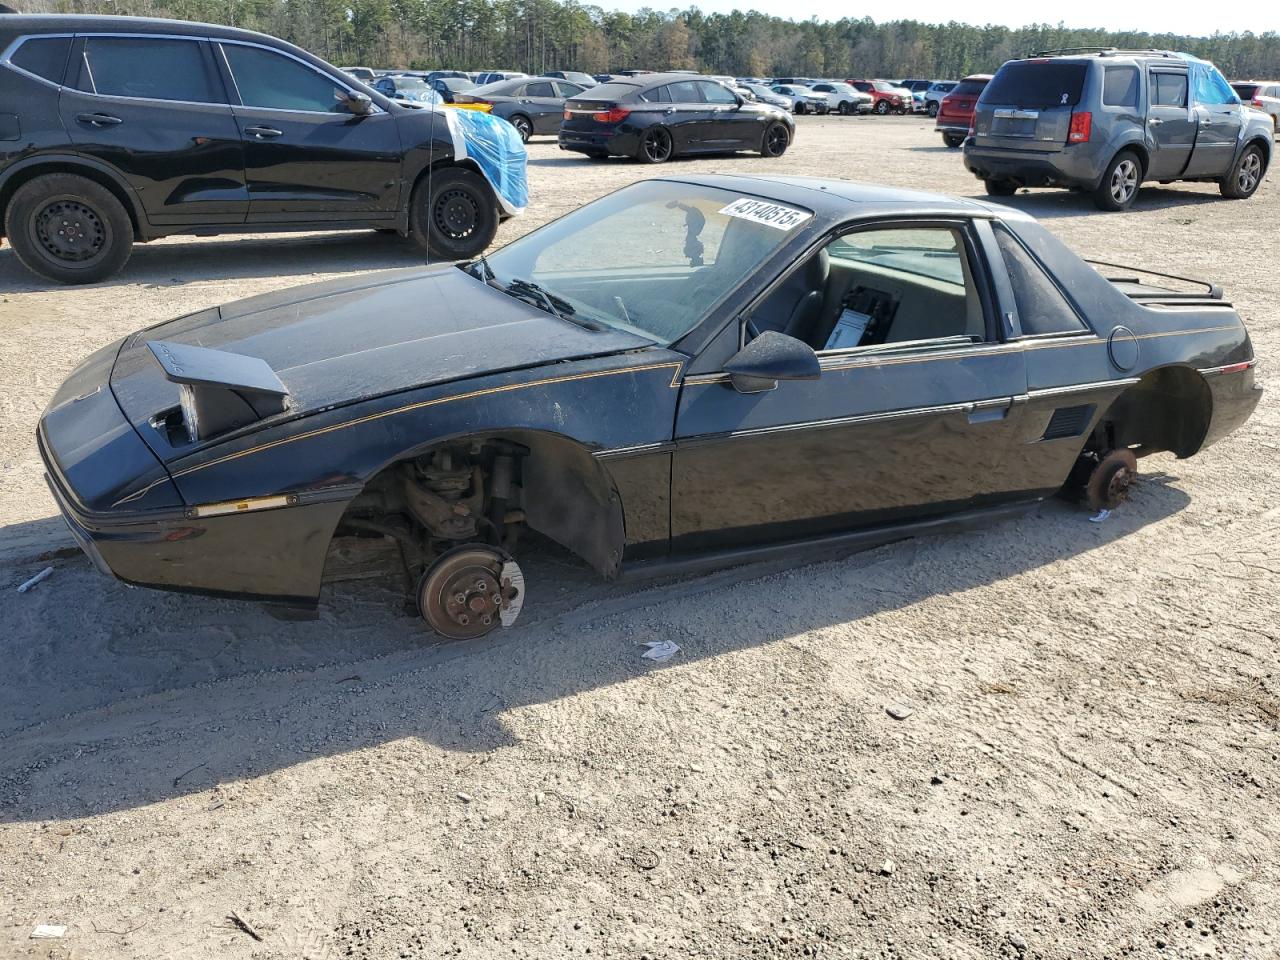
{"x": 116, "y": 129}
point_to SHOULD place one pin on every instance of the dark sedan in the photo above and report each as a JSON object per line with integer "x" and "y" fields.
{"x": 533, "y": 105}
{"x": 662, "y": 115}
{"x": 450, "y": 87}
{"x": 412, "y": 89}
{"x": 686, "y": 373}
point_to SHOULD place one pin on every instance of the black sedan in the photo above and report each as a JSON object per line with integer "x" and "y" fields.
{"x": 657, "y": 116}
{"x": 686, "y": 373}
{"x": 533, "y": 105}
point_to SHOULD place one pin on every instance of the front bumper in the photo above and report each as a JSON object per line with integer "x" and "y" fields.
{"x": 1068, "y": 167}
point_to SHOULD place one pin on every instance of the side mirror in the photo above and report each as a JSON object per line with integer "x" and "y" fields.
{"x": 771, "y": 357}
{"x": 358, "y": 103}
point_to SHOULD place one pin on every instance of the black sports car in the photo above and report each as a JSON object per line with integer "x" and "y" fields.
{"x": 688, "y": 372}
{"x": 658, "y": 116}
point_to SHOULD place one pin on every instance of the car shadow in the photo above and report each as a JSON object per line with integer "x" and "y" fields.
{"x": 1051, "y": 204}
{"x": 184, "y": 693}
{"x": 185, "y": 260}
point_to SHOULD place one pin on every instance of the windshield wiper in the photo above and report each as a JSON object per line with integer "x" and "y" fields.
{"x": 556, "y": 306}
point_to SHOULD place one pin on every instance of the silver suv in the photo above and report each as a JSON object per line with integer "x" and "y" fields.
{"x": 1105, "y": 120}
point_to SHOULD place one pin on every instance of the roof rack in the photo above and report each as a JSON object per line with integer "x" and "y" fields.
{"x": 1104, "y": 51}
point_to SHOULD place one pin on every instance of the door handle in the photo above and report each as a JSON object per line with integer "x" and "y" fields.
{"x": 988, "y": 410}
{"x": 263, "y": 133}
{"x": 99, "y": 119}
{"x": 1155, "y": 121}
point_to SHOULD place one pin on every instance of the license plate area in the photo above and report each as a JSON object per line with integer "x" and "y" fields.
{"x": 1014, "y": 123}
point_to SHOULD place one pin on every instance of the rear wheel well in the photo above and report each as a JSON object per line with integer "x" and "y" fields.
{"x": 1167, "y": 409}
{"x": 1138, "y": 150}
{"x": 485, "y": 488}
{"x": 27, "y": 174}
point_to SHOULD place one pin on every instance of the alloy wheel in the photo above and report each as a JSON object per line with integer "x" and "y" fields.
{"x": 522, "y": 128}
{"x": 1250, "y": 172}
{"x": 776, "y": 140}
{"x": 657, "y": 146}
{"x": 1124, "y": 181}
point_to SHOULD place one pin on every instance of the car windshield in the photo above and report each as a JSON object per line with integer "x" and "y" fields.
{"x": 652, "y": 259}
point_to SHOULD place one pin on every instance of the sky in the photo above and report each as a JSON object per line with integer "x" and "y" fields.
{"x": 1188, "y": 17}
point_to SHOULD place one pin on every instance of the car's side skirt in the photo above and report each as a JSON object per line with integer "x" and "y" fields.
{"x": 813, "y": 548}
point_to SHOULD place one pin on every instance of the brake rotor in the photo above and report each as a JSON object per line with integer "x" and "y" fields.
{"x": 469, "y": 591}
{"x": 1112, "y": 479}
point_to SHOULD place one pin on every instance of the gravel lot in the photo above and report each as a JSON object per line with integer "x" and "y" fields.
{"x": 1090, "y": 771}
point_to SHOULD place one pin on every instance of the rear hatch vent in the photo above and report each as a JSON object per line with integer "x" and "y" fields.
{"x": 1068, "y": 422}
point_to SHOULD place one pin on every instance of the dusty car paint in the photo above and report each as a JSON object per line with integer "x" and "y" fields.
{"x": 647, "y": 458}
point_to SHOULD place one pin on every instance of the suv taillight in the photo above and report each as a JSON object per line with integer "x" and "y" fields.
{"x": 612, "y": 115}
{"x": 1081, "y": 127}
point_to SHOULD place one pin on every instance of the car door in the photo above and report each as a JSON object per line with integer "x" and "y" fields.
{"x": 1220, "y": 119}
{"x": 306, "y": 156}
{"x": 154, "y": 108}
{"x": 545, "y": 109}
{"x": 688, "y": 117}
{"x": 728, "y": 126}
{"x": 1171, "y": 124}
{"x": 913, "y": 412}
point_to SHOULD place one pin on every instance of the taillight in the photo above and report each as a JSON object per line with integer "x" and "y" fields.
{"x": 1257, "y": 102}
{"x": 1081, "y": 127}
{"x": 568, "y": 114}
{"x": 612, "y": 115}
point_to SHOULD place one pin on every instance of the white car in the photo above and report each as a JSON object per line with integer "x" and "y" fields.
{"x": 802, "y": 99}
{"x": 1262, "y": 95}
{"x": 843, "y": 98}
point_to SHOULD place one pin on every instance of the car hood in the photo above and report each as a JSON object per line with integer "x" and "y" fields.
{"x": 344, "y": 341}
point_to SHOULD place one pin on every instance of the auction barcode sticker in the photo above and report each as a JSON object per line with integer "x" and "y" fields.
{"x": 770, "y": 214}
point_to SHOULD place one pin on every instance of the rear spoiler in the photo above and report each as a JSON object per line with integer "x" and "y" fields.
{"x": 220, "y": 390}
{"x": 1212, "y": 291}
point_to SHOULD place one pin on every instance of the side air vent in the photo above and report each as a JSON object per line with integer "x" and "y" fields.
{"x": 1068, "y": 422}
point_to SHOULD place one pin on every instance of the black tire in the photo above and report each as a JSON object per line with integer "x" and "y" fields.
{"x": 953, "y": 140}
{"x": 69, "y": 229}
{"x": 1245, "y": 175}
{"x": 1000, "y": 188}
{"x": 656, "y": 146}
{"x": 799, "y": 109}
{"x": 845, "y": 108}
{"x": 523, "y": 125}
{"x": 459, "y": 217}
{"x": 882, "y": 107}
{"x": 933, "y": 108}
{"x": 775, "y": 140}
{"x": 1120, "y": 183}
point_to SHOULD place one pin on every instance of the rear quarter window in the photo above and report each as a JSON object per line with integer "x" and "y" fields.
{"x": 1042, "y": 309}
{"x": 1037, "y": 83}
{"x": 46, "y": 57}
{"x": 1120, "y": 87}
{"x": 1169, "y": 89}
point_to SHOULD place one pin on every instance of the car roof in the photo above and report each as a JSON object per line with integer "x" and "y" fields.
{"x": 831, "y": 198}
{"x": 22, "y": 23}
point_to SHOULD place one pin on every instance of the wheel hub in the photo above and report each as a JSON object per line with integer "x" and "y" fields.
{"x": 469, "y": 591}
{"x": 456, "y": 213}
{"x": 70, "y": 231}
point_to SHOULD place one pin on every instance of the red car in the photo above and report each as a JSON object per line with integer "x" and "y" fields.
{"x": 955, "y": 113}
{"x": 886, "y": 97}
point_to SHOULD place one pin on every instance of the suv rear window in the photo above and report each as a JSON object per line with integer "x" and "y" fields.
{"x": 1245, "y": 91}
{"x": 969, "y": 88}
{"x": 1037, "y": 83}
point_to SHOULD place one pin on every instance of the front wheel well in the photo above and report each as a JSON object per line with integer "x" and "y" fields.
{"x": 487, "y": 487}
{"x": 27, "y": 174}
{"x": 1167, "y": 409}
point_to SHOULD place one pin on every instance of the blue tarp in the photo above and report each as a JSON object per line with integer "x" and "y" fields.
{"x": 496, "y": 148}
{"x": 1208, "y": 85}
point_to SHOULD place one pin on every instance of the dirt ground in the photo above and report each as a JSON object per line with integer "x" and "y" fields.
{"x": 1091, "y": 769}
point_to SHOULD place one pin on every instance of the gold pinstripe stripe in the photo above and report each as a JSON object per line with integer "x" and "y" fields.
{"x": 422, "y": 404}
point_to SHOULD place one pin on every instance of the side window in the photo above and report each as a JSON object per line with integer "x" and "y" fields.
{"x": 824, "y": 88}
{"x": 146, "y": 68}
{"x": 1169, "y": 89}
{"x": 1120, "y": 87}
{"x": 541, "y": 88}
{"x": 568, "y": 89}
{"x": 268, "y": 79}
{"x": 657, "y": 95}
{"x": 715, "y": 93}
{"x": 880, "y": 287}
{"x": 685, "y": 91}
{"x": 46, "y": 57}
{"x": 1041, "y": 306}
